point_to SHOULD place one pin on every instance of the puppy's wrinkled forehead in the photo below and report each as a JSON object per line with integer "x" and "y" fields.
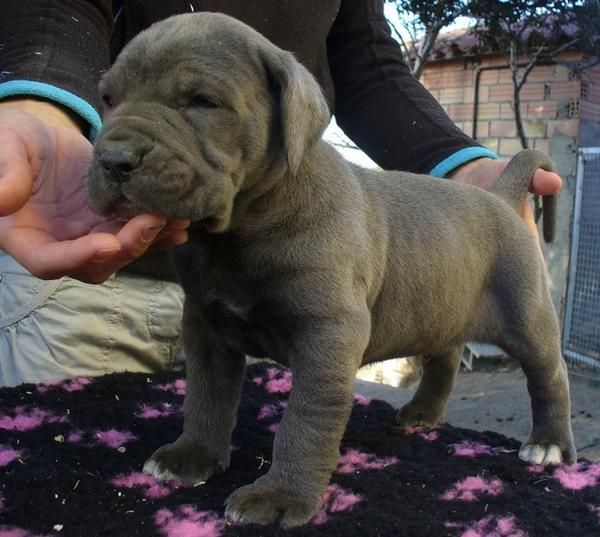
{"x": 184, "y": 49}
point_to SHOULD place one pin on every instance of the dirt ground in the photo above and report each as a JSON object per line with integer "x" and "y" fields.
{"x": 494, "y": 397}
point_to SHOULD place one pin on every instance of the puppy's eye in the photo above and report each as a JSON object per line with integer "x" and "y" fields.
{"x": 202, "y": 101}
{"x": 107, "y": 100}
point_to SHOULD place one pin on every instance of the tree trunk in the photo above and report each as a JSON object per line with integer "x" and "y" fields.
{"x": 519, "y": 118}
{"x": 425, "y": 50}
{"x": 513, "y": 61}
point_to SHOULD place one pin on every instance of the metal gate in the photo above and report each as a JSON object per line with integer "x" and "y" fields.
{"x": 581, "y": 330}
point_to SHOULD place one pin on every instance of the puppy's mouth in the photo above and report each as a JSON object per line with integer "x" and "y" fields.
{"x": 123, "y": 209}
{"x": 144, "y": 193}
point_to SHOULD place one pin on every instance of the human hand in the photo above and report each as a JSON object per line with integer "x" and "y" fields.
{"x": 46, "y": 223}
{"x": 483, "y": 173}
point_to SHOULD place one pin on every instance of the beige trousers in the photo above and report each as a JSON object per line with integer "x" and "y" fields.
{"x": 51, "y": 330}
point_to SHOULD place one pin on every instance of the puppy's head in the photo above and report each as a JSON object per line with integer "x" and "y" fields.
{"x": 197, "y": 109}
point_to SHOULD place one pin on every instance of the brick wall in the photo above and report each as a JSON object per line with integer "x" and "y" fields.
{"x": 590, "y": 94}
{"x": 550, "y": 101}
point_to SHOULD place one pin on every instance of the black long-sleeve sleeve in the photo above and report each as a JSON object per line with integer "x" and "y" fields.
{"x": 56, "y": 50}
{"x": 380, "y": 105}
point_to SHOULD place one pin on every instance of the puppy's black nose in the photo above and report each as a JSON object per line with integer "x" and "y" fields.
{"x": 119, "y": 160}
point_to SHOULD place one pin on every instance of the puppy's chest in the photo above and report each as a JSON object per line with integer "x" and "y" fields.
{"x": 242, "y": 304}
{"x": 240, "y": 318}
{"x": 229, "y": 305}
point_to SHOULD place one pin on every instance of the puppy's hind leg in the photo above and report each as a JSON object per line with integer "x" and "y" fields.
{"x": 536, "y": 345}
{"x": 429, "y": 403}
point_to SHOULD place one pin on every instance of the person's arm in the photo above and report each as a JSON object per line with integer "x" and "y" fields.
{"x": 56, "y": 51}
{"x": 381, "y": 106}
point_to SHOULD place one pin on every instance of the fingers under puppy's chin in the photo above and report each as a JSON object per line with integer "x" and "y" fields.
{"x": 170, "y": 241}
{"x": 179, "y": 223}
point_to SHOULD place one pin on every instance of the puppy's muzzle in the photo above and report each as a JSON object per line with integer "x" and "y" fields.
{"x": 120, "y": 159}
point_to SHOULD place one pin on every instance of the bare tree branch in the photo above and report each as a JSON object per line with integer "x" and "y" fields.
{"x": 423, "y": 20}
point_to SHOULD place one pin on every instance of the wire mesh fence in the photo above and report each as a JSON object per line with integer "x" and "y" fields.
{"x": 581, "y": 331}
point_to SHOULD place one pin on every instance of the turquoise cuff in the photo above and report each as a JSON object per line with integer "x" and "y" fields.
{"x": 459, "y": 158}
{"x": 14, "y": 88}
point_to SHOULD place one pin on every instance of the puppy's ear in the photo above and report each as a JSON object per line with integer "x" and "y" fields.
{"x": 303, "y": 108}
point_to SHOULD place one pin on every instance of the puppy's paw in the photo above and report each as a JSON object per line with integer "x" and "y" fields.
{"x": 267, "y": 501}
{"x": 547, "y": 453}
{"x": 411, "y": 415}
{"x": 183, "y": 460}
{"x": 550, "y": 442}
{"x": 537, "y": 454}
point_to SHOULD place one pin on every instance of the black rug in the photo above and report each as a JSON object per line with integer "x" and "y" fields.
{"x": 71, "y": 456}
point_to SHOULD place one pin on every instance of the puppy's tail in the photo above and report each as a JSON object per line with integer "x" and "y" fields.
{"x": 513, "y": 185}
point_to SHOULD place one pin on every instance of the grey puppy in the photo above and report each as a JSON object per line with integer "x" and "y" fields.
{"x": 299, "y": 255}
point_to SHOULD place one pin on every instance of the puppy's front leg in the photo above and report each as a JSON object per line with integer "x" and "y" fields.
{"x": 306, "y": 447}
{"x": 214, "y": 382}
